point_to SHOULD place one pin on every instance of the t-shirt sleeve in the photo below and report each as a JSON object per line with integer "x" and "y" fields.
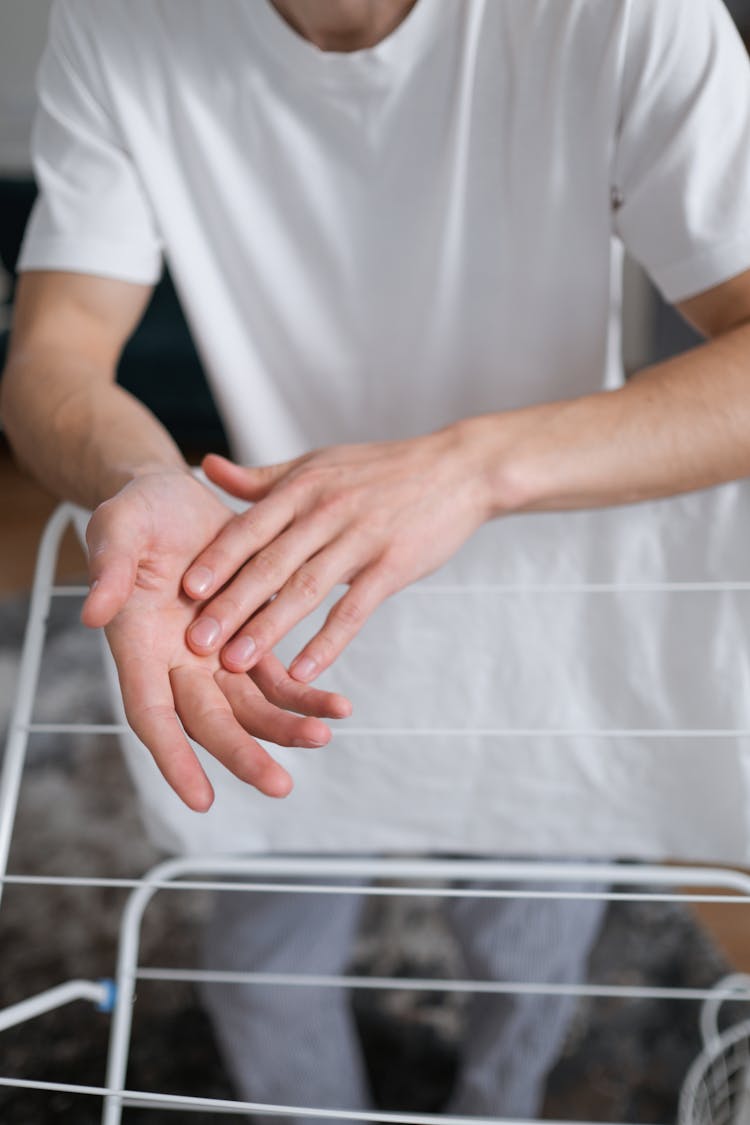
{"x": 682, "y": 160}
{"x": 92, "y": 214}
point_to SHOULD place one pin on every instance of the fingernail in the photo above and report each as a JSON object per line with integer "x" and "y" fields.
{"x": 199, "y": 580}
{"x": 240, "y": 650}
{"x": 205, "y": 633}
{"x": 303, "y": 669}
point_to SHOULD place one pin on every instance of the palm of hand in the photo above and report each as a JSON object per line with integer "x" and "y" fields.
{"x": 141, "y": 542}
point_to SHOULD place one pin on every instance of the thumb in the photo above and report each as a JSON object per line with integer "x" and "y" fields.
{"x": 113, "y": 566}
{"x": 247, "y": 483}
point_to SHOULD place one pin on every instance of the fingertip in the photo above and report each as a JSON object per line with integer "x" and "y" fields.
{"x": 94, "y": 614}
{"x": 199, "y": 797}
{"x": 88, "y": 616}
{"x": 341, "y": 707}
{"x": 335, "y": 710}
{"x": 240, "y": 655}
{"x": 216, "y": 466}
{"x": 313, "y": 735}
{"x": 304, "y": 669}
{"x": 203, "y": 804}
{"x": 198, "y": 582}
{"x": 214, "y": 459}
{"x": 279, "y": 785}
{"x": 110, "y": 589}
{"x": 204, "y": 635}
{"x": 201, "y": 791}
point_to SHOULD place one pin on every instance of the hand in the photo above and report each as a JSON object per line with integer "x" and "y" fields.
{"x": 373, "y": 516}
{"x": 140, "y": 542}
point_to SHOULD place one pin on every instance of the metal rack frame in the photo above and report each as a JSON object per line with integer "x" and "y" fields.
{"x": 248, "y": 874}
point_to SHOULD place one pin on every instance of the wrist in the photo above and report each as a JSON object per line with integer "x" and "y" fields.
{"x": 500, "y": 461}
{"x": 117, "y": 477}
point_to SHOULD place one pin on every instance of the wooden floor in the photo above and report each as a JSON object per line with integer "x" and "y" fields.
{"x": 24, "y": 508}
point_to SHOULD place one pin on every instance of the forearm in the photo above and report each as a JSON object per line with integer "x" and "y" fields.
{"x": 82, "y": 436}
{"x": 677, "y": 426}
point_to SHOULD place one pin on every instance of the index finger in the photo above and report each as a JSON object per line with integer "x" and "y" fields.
{"x": 241, "y": 538}
{"x": 150, "y": 711}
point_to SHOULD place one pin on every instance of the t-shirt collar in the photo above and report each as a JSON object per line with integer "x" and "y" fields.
{"x": 371, "y": 66}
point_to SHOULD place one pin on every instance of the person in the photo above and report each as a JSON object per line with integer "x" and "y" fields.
{"x": 397, "y": 232}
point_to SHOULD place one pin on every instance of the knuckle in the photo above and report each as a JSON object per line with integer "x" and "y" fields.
{"x": 388, "y": 570}
{"x": 209, "y": 716}
{"x": 237, "y": 758}
{"x": 309, "y": 477}
{"x": 234, "y": 537}
{"x": 268, "y": 566}
{"x": 221, "y": 557}
{"x": 247, "y": 528}
{"x": 231, "y": 606}
{"x": 334, "y": 503}
{"x": 143, "y": 719}
{"x": 349, "y": 613}
{"x": 247, "y": 521}
{"x": 305, "y": 582}
{"x": 325, "y": 647}
{"x": 158, "y": 712}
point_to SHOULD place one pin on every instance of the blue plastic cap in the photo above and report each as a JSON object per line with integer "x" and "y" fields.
{"x": 110, "y": 995}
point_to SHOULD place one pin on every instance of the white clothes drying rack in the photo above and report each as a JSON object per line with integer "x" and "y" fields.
{"x": 239, "y": 875}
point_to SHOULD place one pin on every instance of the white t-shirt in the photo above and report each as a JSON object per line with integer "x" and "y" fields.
{"x": 375, "y": 244}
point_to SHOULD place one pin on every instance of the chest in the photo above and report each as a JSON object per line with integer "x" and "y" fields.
{"x": 436, "y": 217}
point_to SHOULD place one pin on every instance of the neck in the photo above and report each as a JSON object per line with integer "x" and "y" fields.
{"x": 344, "y": 25}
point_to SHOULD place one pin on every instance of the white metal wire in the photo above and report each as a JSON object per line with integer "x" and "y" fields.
{"x": 245, "y": 875}
{"x": 716, "y": 1090}
{"x": 98, "y": 993}
{"x": 15, "y": 750}
{"x": 146, "y": 1100}
{"x": 395, "y": 890}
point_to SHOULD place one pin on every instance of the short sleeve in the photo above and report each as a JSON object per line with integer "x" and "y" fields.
{"x": 92, "y": 214}
{"x": 682, "y": 161}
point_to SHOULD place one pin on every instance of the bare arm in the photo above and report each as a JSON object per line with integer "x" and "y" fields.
{"x": 379, "y": 516}
{"x": 679, "y": 425}
{"x": 67, "y": 420}
{"x": 90, "y": 441}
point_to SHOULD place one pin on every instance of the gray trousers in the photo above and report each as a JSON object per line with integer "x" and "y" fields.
{"x": 298, "y": 1046}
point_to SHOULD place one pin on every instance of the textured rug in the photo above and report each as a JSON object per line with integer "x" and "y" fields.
{"x": 624, "y": 1059}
